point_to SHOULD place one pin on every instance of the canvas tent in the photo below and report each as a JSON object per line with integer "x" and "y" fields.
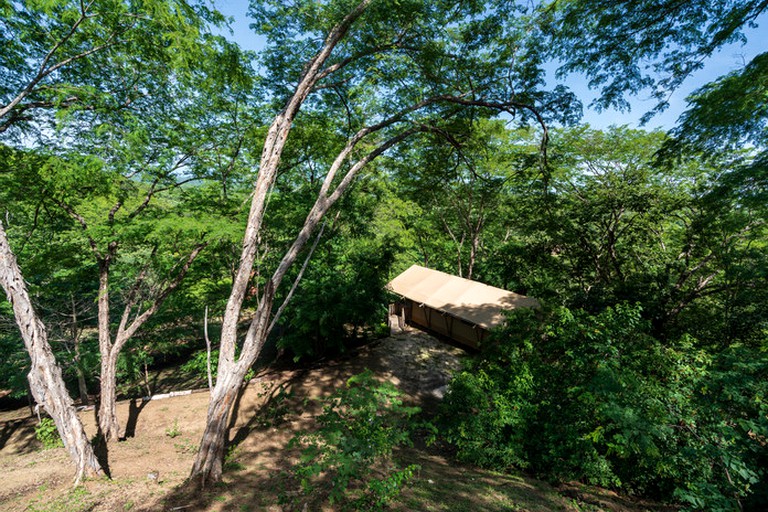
{"x": 461, "y": 309}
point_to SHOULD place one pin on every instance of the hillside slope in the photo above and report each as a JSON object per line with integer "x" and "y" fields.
{"x": 149, "y": 467}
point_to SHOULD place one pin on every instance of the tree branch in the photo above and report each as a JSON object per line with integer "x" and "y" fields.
{"x": 296, "y": 281}
{"x": 125, "y": 334}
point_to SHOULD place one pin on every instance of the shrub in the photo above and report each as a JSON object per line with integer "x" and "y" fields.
{"x": 173, "y": 430}
{"x": 596, "y": 398}
{"x": 197, "y": 365}
{"x": 348, "y": 460}
{"x": 46, "y": 433}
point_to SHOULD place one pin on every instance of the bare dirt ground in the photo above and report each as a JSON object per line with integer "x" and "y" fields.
{"x": 149, "y": 467}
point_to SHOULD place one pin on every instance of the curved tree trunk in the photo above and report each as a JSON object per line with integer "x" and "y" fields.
{"x": 231, "y": 370}
{"x": 45, "y": 379}
{"x": 210, "y": 458}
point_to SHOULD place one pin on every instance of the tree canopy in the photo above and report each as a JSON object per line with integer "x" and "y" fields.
{"x": 151, "y": 170}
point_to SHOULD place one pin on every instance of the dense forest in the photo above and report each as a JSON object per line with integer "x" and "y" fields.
{"x": 153, "y": 174}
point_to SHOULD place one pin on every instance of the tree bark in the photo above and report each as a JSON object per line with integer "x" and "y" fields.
{"x": 110, "y": 351}
{"x": 109, "y": 428}
{"x": 209, "y": 462}
{"x": 45, "y": 378}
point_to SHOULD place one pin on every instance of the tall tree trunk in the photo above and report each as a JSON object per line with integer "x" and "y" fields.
{"x": 210, "y": 458}
{"x": 230, "y": 376}
{"x": 45, "y": 378}
{"x": 110, "y": 350}
{"x": 474, "y": 248}
{"x": 108, "y": 424}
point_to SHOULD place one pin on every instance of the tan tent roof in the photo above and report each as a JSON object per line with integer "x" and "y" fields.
{"x": 474, "y": 302}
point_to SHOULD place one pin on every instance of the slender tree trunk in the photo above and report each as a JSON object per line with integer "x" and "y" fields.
{"x": 208, "y": 352}
{"x": 146, "y": 379}
{"x": 473, "y": 255}
{"x": 108, "y": 424}
{"x": 474, "y": 247}
{"x": 210, "y": 458}
{"x": 45, "y": 378}
{"x": 81, "y": 385}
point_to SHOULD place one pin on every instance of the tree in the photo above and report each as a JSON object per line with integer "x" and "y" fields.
{"x": 680, "y": 239}
{"x": 608, "y": 215}
{"x": 630, "y": 46}
{"x": 463, "y": 189}
{"x": 71, "y": 68}
{"x": 387, "y": 71}
{"x": 45, "y": 379}
{"x": 55, "y": 52}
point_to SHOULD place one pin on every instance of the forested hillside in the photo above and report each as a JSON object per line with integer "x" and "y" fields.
{"x": 161, "y": 187}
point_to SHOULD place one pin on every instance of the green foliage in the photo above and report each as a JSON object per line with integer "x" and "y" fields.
{"x": 399, "y": 54}
{"x": 71, "y": 59}
{"x": 173, "y": 430}
{"x": 231, "y": 462}
{"x": 276, "y": 407}
{"x": 197, "y": 364}
{"x": 47, "y": 434}
{"x": 596, "y": 398}
{"x": 131, "y": 365}
{"x": 630, "y": 46}
{"x": 730, "y": 112}
{"x": 341, "y": 295}
{"x": 348, "y": 460}
{"x": 14, "y": 361}
{"x": 459, "y": 196}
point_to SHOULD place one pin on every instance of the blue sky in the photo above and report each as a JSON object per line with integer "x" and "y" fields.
{"x": 729, "y": 58}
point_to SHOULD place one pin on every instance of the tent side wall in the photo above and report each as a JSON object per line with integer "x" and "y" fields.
{"x": 442, "y": 323}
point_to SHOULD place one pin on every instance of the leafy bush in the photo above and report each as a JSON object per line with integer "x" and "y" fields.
{"x": 341, "y": 293}
{"x": 14, "y": 361}
{"x": 46, "y": 433}
{"x": 348, "y": 460}
{"x": 596, "y": 398}
{"x": 197, "y": 364}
